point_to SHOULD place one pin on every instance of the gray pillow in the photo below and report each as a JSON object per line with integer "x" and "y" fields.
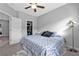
{"x": 55, "y": 34}
{"x": 47, "y": 34}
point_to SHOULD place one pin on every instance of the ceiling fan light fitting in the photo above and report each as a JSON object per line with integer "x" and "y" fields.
{"x": 33, "y": 6}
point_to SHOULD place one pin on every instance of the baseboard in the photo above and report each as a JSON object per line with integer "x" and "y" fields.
{"x": 4, "y": 36}
{"x": 68, "y": 47}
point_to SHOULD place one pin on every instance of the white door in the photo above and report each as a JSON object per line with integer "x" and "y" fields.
{"x": 15, "y": 33}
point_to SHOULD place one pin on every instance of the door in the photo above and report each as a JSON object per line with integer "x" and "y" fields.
{"x": 15, "y": 33}
{"x": 29, "y": 28}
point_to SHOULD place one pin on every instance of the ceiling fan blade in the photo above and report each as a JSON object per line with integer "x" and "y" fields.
{"x": 34, "y": 10}
{"x": 40, "y": 6}
{"x": 35, "y": 3}
{"x": 30, "y": 3}
{"x": 27, "y": 7}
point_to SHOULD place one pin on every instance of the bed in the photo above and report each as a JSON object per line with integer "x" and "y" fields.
{"x": 39, "y": 45}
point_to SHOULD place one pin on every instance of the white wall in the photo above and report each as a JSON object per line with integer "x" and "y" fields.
{"x": 4, "y": 19}
{"x": 5, "y": 25}
{"x": 15, "y": 30}
{"x": 56, "y": 16}
{"x": 57, "y": 19}
{"x": 3, "y": 16}
{"x": 6, "y": 8}
{"x": 26, "y": 18}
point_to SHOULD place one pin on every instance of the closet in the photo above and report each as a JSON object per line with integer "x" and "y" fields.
{"x": 4, "y": 27}
{"x": 29, "y": 27}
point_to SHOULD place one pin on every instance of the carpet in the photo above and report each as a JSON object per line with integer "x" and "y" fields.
{"x": 25, "y": 53}
{"x": 21, "y": 53}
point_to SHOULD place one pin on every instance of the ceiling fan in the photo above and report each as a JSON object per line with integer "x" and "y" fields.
{"x": 34, "y": 6}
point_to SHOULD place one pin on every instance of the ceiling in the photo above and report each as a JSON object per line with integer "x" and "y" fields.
{"x": 48, "y": 7}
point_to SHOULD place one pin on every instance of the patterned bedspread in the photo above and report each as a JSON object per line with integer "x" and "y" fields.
{"x": 43, "y": 46}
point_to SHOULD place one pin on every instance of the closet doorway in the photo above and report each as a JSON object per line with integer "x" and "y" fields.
{"x": 4, "y": 32}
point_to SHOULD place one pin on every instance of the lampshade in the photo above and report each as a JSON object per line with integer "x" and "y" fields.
{"x": 71, "y": 23}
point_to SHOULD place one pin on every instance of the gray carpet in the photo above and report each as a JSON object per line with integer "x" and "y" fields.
{"x": 68, "y": 53}
{"x": 6, "y": 49}
{"x": 13, "y": 49}
{"x": 10, "y": 50}
{"x": 23, "y": 53}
